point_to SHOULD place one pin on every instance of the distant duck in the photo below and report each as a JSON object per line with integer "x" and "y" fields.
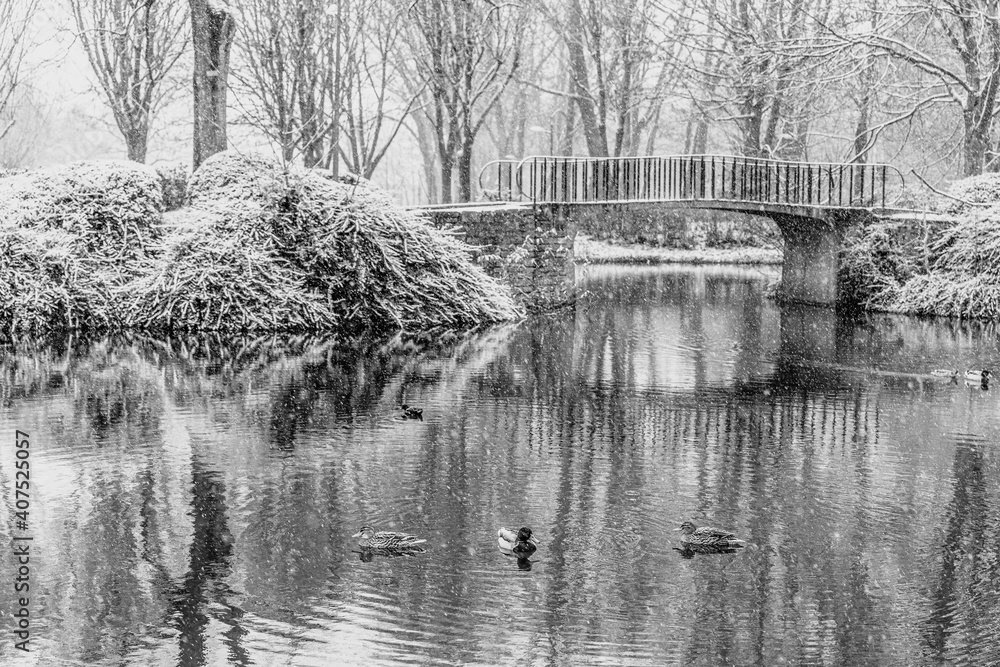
{"x": 387, "y": 540}
{"x": 410, "y": 412}
{"x": 696, "y": 537}
{"x": 521, "y": 545}
{"x": 982, "y": 377}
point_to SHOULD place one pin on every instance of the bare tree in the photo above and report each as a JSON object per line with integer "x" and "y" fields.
{"x": 755, "y": 68}
{"x": 424, "y": 133}
{"x": 27, "y": 117}
{"x": 318, "y": 75}
{"x": 465, "y": 52}
{"x": 507, "y": 126}
{"x": 373, "y": 115}
{"x": 864, "y": 93}
{"x": 621, "y": 60}
{"x": 14, "y": 18}
{"x": 419, "y": 125}
{"x": 212, "y": 29}
{"x": 954, "y": 46}
{"x": 132, "y": 46}
{"x": 292, "y": 57}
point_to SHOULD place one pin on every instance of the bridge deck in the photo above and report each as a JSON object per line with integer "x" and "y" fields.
{"x": 756, "y": 208}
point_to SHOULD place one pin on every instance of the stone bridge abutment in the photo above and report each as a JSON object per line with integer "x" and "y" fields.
{"x": 809, "y": 272}
{"x": 528, "y": 247}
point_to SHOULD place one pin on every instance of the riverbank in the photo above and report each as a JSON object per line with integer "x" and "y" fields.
{"x": 589, "y": 250}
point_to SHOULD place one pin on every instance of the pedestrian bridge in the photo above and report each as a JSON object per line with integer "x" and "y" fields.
{"x": 813, "y": 204}
{"x": 722, "y": 182}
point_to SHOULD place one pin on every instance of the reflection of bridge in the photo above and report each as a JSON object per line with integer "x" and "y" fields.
{"x": 813, "y": 204}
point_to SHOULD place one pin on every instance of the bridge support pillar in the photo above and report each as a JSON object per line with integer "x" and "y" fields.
{"x": 529, "y": 248}
{"x": 812, "y": 256}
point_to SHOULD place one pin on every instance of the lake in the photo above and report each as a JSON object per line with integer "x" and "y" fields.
{"x": 192, "y": 501}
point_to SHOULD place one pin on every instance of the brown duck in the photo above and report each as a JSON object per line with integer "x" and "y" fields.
{"x": 388, "y": 540}
{"x": 708, "y": 537}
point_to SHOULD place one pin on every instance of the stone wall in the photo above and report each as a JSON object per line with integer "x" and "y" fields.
{"x": 530, "y": 250}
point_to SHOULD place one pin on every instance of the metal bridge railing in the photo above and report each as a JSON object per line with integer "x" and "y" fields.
{"x": 548, "y": 179}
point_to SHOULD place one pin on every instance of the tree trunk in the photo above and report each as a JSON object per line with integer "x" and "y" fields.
{"x": 465, "y": 170}
{"x": 798, "y": 149}
{"x": 333, "y": 155}
{"x": 312, "y": 151}
{"x": 977, "y": 137}
{"x": 974, "y": 151}
{"x": 447, "y": 167}
{"x": 862, "y": 137}
{"x": 697, "y": 143}
{"x": 212, "y": 30}
{"x": 430, "y": 179}
{"x": 428, "y": 154}
{"x": 569, "y": 129}
{"x": 593, "y": 129}
{"x": 751, "y": 131}
{"x": 287, "y": 147}
{"x": 861, "y": 131}
{"x": 135, "y": 144}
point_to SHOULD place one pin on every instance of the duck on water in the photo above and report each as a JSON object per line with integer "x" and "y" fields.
{"x": 522, "y": 544}
{"x": 389, "y": 541}
{"x": 708, "y": 540}
{"x": 411, "y": 412}
{"x": 980, "y": 377}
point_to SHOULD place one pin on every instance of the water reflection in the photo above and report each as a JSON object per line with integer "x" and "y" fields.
{"x": 194, "y": 498}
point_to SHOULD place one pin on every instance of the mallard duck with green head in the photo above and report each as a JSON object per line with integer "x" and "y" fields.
{"x": 388, "y": 540}
{"x": 980, "y": 377}
{"x": 707, "y": 536}
{"x": 522, "y": 544}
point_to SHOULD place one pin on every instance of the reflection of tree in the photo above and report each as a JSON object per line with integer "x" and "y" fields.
{"x": 100, "y": 377}
{"x": 307, "y": 375}
{"x": 963, "y": 600}
{"x": 107, "y": 593}
{"x": 285, "y": 548}
{"x": 209, "y": 563}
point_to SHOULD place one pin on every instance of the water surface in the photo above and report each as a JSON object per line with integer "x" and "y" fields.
{"x": 192, "y": 499}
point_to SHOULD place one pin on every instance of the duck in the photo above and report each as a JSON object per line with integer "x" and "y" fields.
{"x": 693, "y": 536}
{"x": 522, "y": 545}
{"x": 982, "y": 376}
{"x": 387, "y": 540}
{"x": 410, "y": 412}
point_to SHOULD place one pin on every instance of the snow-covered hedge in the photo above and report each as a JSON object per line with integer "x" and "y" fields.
{"x": 259, "y": 248}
